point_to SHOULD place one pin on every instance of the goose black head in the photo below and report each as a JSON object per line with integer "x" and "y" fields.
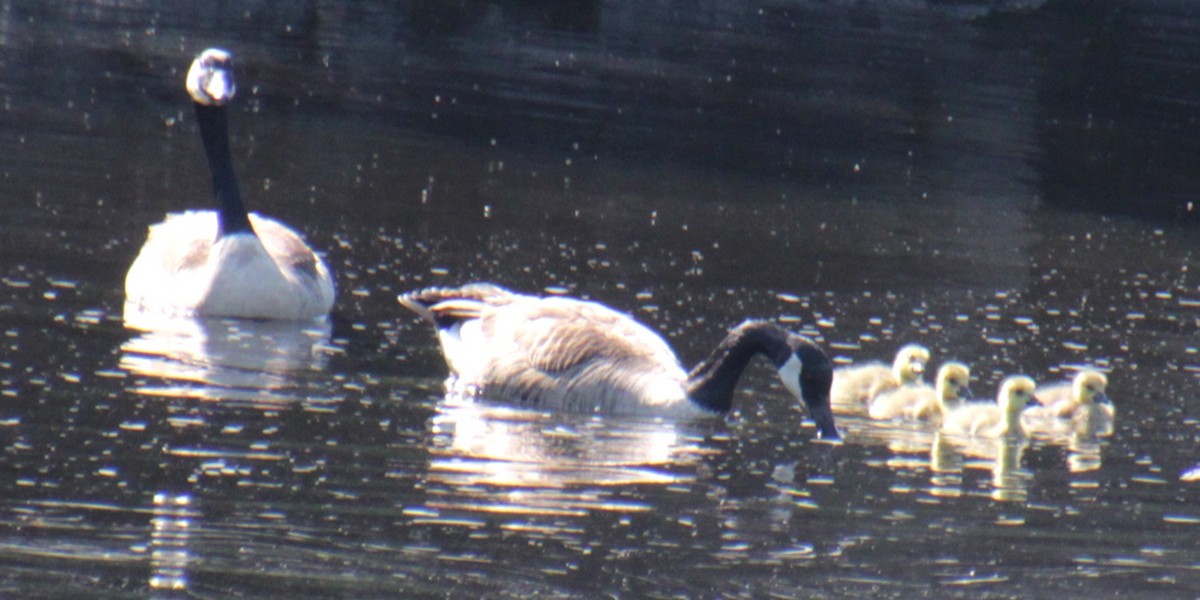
{"x": 807, "y": 373}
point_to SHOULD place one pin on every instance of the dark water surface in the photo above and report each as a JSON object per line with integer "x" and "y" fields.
{"x": 1008, "y": 183}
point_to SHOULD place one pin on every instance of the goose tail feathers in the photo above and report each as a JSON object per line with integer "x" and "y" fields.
{"x": 442, "y": 305}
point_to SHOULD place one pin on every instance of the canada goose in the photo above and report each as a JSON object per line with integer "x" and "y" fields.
{"x": 925, "y": 402}
{"x": 856, "y": 385}
{"x": 577, "y": 355}
{"x": 225, "y": 263}
{"x": 1082, "y": 401}
{"x": 993, "y": 420}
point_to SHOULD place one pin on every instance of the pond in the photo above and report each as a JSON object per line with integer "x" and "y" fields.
{"x": 1007, "y": 183}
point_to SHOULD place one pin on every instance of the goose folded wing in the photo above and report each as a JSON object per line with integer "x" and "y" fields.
{"x": 558, "y": 340}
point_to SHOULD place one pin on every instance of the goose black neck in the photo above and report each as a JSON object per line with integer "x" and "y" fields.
{"x": 214, "y": 130}
{"x": 712, "y": 382}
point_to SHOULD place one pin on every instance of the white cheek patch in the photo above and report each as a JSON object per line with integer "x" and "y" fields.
{"x": 219, "y": 88}
{"x": 789, "y": 373}
{"x": 463, "y": 347}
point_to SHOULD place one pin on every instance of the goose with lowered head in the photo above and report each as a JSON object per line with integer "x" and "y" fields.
{"x": 569, "y": 354}
{"x": 225, "y": 263}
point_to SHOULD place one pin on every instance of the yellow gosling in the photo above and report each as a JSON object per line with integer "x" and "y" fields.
{"x": 1064, "y": 398}
{"x": 924, "y": 402}
{"x": 994, "y": 420}
{"x": 1078, "y": 406}
{"x": 855, "y": 386}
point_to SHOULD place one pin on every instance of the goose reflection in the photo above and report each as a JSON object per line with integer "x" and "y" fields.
{"x": 916, "y": 450}
{"x": 170, "y": 541}
{"x": 501, "y": 459}
{"x": 907, "y": 442}
{"x": 222, "y": 358}
{"x": 1083, "y": 453}
{"x": 1075, "y": 415}
{"x": 1002, "y": 456}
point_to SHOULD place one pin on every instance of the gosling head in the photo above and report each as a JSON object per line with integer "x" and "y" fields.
{"x": 953, "y": 381}
{"x": 909, "y": 366}
{"x": 1089, "y": 387}
{"x": 210, "y": 80}
{"x": 1016, "y": 393}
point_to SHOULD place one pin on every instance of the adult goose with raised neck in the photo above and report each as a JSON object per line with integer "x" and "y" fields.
{"x": 225, "y": 263}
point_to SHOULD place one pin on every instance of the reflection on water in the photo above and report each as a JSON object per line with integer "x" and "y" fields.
{"x": 946, "y": 462}
{"x": 915, "y": 451}
{"x": 1001, "y": 457}
{"x": 515, "y": 447}
{"x": 170, "y": 539}
{"x": 495, "y": 459}
{"x": 222, "y": 358}
{"x": 871, "y": 173}
{"x": 1085, "y": 454}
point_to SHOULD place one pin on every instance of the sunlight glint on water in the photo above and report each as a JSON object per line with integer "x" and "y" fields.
{"x": 867, "y": 175}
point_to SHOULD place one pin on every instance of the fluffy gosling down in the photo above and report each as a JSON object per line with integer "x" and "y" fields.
{"x": 1080, "y": 405}
{"x": 569, "y": 354}
{"x": 923, "y": 402}
{"x": 855, "y": 386}
{"x": 1063, "y": 399}
{"x": 994, "y": 420}
{"x": 225, "y": 263}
